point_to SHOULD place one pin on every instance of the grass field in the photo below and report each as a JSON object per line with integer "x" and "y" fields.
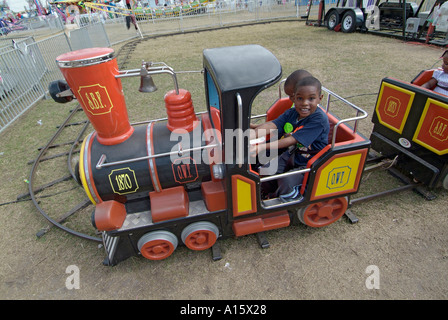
{"x": 403, "y": 234}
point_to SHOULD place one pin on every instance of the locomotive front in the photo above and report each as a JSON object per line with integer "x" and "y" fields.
{"x": 124, "y": 168}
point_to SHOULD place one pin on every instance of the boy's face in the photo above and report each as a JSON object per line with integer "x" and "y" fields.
{"x": 445, "y": 64}
{"x": 306, "y": 100}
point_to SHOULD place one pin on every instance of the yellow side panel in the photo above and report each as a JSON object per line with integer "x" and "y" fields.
{"x": 244, "y": 196}
{"x": 393, "y": 106}
{"x": 339, "y": 175}
{"x": 432, "y": 129}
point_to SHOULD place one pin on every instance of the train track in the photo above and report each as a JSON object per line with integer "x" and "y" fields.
{"x": 125, "y": 52}
{"x": 32, "y": 190}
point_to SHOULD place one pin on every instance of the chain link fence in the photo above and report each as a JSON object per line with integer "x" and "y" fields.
{"x": 27, "y": 65}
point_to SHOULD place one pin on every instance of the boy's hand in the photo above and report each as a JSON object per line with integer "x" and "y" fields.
{"x": 253, "y": 125}
{"x": 256, "y": 148}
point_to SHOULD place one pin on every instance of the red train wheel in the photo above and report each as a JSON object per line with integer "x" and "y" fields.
{"x": 323, "y": 213}
{"x": 200, "y": 235}
{"x": 157, "y": 245}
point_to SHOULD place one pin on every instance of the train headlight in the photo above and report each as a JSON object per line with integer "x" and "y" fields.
{"x": 218, "y": 171}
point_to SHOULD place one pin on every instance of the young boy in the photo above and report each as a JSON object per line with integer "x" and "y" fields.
{"x": 290, "y": 86}
{"x": 439, "y": 80}
{"x": 308, "y": 127}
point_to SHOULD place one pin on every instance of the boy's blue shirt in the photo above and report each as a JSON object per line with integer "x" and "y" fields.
{"x": 313, "y": 134}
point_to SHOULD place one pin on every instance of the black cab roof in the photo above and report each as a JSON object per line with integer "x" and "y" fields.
{"x": 239, "y": 67}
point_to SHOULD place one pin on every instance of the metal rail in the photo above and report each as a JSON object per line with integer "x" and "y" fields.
{"x": 31, "y": 184}
{"x": 360, "y": 114}
{"x": 102, "y": 161}
{"x": 151, "y": 68}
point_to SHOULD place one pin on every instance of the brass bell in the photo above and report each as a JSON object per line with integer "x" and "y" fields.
{"x": 146, "y": 82}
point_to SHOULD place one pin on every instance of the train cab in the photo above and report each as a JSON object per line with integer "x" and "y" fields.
{"x": 331, "y": 175}
{"x": 334, "y": 173}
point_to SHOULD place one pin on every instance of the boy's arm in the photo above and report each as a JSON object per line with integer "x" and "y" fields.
{"x": 277, "y": 144}
{"x": 282, "y": 143}
{"x": 263, "y": 129}
{"x": 430, "y": 84}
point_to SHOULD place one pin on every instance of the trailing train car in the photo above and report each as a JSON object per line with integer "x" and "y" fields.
{"x": 153, "y": 193}
{"x": 411, "y": 126}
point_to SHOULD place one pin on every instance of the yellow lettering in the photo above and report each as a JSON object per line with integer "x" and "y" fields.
{"x": 439, "y": 129}
{"x": 91, "y": 106}
{"x": 123, "y": 181}
{"x": 98, "y": 95}
{"x": 392, "y": 107}
{"x": 94, "y": 100}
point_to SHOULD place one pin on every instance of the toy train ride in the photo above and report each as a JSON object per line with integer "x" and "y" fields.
{"x": 152, "y": 193}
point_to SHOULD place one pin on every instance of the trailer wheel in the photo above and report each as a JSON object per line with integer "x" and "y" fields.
{"x": 200, "y": 235}
{"x": 332, "y": 20}
{"x": 157, "y": 245}
{"x": 323, "y": 213}
{"x": 348, "y": 23}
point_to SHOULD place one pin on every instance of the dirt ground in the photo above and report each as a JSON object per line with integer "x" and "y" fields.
{"x": 407, "y": 243}
{"x": 397, "y": 250}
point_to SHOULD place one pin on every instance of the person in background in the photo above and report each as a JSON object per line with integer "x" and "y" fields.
{"x": 439, "y": 80}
